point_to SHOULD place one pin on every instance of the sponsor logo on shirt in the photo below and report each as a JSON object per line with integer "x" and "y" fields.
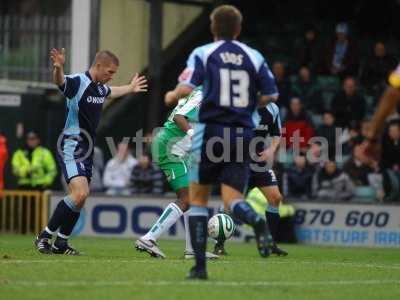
{"x": 96, "y": 100}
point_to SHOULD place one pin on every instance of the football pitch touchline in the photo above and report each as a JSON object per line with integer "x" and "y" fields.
{"x": 195, "y": 283}
{"x": 153, "y": 261}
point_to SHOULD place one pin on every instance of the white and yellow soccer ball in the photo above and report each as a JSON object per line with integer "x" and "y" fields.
{"x": 221, "y": 227}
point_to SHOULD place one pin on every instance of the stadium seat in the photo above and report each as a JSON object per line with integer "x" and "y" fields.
{"x": 341, "y": 162}
{"x": 364, "y": 194}
{"x": 329, "y": 83}
{"x": 317, "y": 120}
{"x": 285, "y": 158}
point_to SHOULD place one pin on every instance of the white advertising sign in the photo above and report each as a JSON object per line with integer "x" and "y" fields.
{"x": 316, "y": 223}
{"x": 348, "y": 224}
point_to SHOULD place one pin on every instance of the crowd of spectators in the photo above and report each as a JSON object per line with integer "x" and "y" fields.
{"x": 331, "y": 93}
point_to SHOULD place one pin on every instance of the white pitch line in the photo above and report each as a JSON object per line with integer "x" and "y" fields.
{"x": 157, "y": 261}
{"x": 195, "y": 283}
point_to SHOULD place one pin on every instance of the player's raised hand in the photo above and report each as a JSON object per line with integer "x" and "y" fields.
{"x": 139, "y": 84}
{"x": 58, "y": 57}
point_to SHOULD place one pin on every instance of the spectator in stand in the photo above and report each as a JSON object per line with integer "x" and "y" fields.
{"x": 298, "y": 179}
{"x": 282, "y": 83}
{"x": 96, "y": 184}
{"x": 331, "y": 183}
{"x": 316, "y": 156}
{"x": 148, "y": 139}
{"x": 390, "y": 161}
{"x": 34, "y": 165}
{"x": 348, "y": 105}
{"x": 359, "y": 166}
{"x": 3, "y": 159}
{"x": 308, "y": 50}
{"x": 298, "y": 123}
{"x": 328, "y": 131}
{"x": 342, "y": 56}
{"x": 117, "y": 174}
{"x": 307, "y": 89}
{"x": 350, "y": 137}
{"x": 365, "y": 127}
{"x": 376, "y": 69}
{"x": 146, "y": 177}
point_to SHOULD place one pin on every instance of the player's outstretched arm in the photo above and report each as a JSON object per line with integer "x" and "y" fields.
{"x": 58, "y": 58}
{"x": 171, "y": 98}
{"x": 386, "y": 106}
{"x": 137, "y": 85}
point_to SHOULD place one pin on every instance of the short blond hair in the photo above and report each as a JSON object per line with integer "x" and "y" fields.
{"x": 105, "y": 56}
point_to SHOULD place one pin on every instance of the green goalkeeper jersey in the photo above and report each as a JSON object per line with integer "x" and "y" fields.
{"x": 178, "y": 142}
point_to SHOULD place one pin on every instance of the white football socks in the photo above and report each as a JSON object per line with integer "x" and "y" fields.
{"x": 170, "y": 215}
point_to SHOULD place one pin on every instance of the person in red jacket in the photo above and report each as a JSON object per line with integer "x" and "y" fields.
{"x": 297, "y": 120}
{"x": 3, "y": 159}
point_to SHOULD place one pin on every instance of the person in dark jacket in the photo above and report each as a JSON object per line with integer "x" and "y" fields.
{"x": 306, "y": 88}
{"x": 332, "y": 183}
{"x": 348, "y": 105}
{"x": 146, "y": 177}
{"x": 298, "y": 183}
{"x": 341, "y": 54}
{"x": 359, "y": 166}
{"x": 283, "y": 84}
{"x": 377, "y": 68}
{"x": 328, "y": 131}
{"x": 308, "y": 49}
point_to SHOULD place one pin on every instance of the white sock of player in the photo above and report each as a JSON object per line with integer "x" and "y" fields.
{"x": 189, "y": 247}
{"x": 169, "y": 217}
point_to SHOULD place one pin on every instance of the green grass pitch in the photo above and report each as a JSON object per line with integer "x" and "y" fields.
{"x": 111, "y": 269}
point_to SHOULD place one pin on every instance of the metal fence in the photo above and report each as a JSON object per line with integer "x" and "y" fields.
{"x": 25, "y": 43}
{"x": 25, "y": 212}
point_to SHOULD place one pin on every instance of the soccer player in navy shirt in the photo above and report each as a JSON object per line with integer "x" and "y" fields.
{"x": 267, "y": 139}
{"x": 232, "y": 75}
{"x": 85, "y": 94}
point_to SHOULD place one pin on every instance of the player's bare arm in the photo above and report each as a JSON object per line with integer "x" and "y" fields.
{"x": 181, "y": 91}
{"x": 387, "y": 105}
{"x": 137, "y": 85}
{"x": 269, "y": 153}
{"x": 58, "y": 58}
{"x": 182, "y": 123}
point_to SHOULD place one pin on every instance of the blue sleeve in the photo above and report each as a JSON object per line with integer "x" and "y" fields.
{"x": 266, "y": 81}
{"x": 71, "y": 86}
{"x": 108, "y": 90}
{"x": 276, "y": 128}
{"x": 193, "y": 75}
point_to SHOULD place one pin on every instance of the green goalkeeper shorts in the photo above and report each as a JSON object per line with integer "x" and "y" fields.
{"x": 174, "y": 168}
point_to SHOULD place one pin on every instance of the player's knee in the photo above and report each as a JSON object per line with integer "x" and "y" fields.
{"x": 80, "y": 196}
{"x": 183, "y": 199}
{"x": 275, "y": 199}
